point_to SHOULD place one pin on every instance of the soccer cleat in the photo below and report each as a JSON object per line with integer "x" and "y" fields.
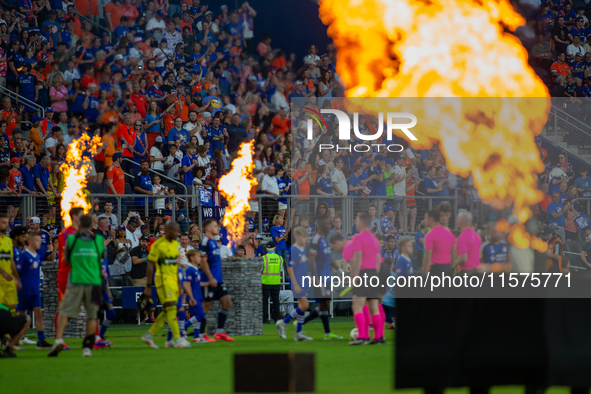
{"x": 66, "y": 347}
{"x": 281, "y": 329}
{"x": 102, "y": 344}
{"x": 58, "y": 346}
{"x": 43, "y": 345}
{"x": 86, "y": 352}
{"x": 299, "y": 336}
{"x": 331, "y": 336}
{"x": 358, "y": 341}
{"x": 208, "y": 339}
{"x": 148, "y": 339}
{"x": 17, "y": 348}
{"x": 8, "y": 353}
{"x": 380, "y": 341}
{"x": 223, "y": 337}
{"x": 169, "y": 344}
{"x": 26, "y": 341}
{"x": 200, "y": 340}
{"x": 182, "y": 343}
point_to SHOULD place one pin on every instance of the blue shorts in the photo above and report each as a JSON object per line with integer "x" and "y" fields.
{"x": 26, "y": 302}
{"x": 215, "y": 293}
{"x": 197, "y": 310}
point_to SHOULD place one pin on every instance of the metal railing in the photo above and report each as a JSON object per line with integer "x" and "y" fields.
{"x": 563, "y": 125}
{"x": 21, "y": 100}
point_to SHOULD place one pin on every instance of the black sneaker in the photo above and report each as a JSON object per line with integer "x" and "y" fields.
{"x": 55, "y": 349}
{"x": 8, "y": 353}
{"x": 43, "y": 345}
{"x": 355, "y": 342}
{"x": 380, "y": 341}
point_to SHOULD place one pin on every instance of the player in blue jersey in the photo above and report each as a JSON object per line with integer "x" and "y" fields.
{"x": 495, "y": 253}
{"x": 403, "y": 262}
{"x": 319, "y": 256}
{"x": 181, "y": 314}
{"x": 298, "y": 268}
{"x": 28, "y": 266}
{"x": 211, "y": 264}
{"x": 390, "y": 249}
{"x": 192, "y": 287}
{"x": 46, "y": 245}
{"x": 108, "y": 306}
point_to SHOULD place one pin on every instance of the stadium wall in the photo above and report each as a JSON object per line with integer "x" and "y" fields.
{"x": 75, "y": 328}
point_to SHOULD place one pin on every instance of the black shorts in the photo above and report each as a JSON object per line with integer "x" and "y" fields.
{"x": 373, "y": 288}
{"x": 42, "y": 205}
{"x": 214, "y": 293}
{"x": 99, "y": 166}
{"x": 14, "y": 201}
{"x": 11, "y": 325}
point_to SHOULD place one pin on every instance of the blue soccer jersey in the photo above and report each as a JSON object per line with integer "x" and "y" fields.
{"x": 320, "y": 248}
{"x": 28, "y": 268}
{"x": 45, "y": 243}
{"x": 209, "y": 248}
{"x": 404, "y": 266}
{"x": 299, "y": 264}
{"x": 193, "y": 276}
{"x": 494, "y": 253}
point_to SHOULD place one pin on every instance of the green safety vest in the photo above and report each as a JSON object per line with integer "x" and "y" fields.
{"x": 85, "y": 258}
{"x": 272, "y": 265}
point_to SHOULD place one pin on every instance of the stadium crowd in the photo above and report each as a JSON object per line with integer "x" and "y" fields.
{"x": 176, "y": 88}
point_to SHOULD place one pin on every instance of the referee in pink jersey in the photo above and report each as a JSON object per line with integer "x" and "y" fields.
{"x": 439, "y": 243}
{"x": 468, "y": 247}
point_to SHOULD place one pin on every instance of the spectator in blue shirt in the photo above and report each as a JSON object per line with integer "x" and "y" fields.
{"x": 178, "y": 133}
{"x": 28, "y": 177}
{"x": 236, "y": 133}
{"x": 51, "y": 29}
{"x": 43, "y": 186}
{"x": 583, "y": 183}
{"x": 216, "y": 134}
{"x": 142, "y": 184}
{"x": 189, "y": 162}
{"x": 432, "y": 187}
{"x": 355, "y": 185}
{"x": 556, "y": 213}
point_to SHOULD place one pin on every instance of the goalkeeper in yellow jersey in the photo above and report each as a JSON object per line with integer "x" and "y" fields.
{"x": 164, "y": 257}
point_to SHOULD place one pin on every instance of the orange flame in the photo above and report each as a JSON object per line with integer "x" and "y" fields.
{"x": 450, "y": 48}
{"x": 235, "y": 187}
{"x": 74, "y": 171}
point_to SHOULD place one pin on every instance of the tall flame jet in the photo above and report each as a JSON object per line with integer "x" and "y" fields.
{"x": 437, "y": 50}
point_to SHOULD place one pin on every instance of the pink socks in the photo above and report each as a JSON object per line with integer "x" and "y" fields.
{"x": 368, "y": 321}
{"x": 378, "y": 326}
{"x": 363, "y": 319}
{"x": 360, "y": 322}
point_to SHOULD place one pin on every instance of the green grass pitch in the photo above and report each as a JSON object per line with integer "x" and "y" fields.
{"x": 131, "y": 367}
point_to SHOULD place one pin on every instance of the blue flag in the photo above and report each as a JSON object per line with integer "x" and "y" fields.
{"x": 582, "y": 221}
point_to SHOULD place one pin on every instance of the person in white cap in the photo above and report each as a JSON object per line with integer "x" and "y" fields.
{"x": 156, "y": 156}
{"x": 225, "y": 251}
{"x": 135, "y": 52}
